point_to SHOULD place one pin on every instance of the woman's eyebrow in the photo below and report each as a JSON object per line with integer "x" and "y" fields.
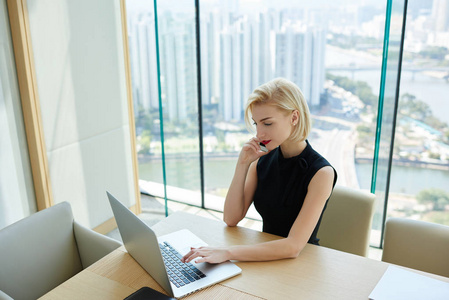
{"x": 264, "y": 119}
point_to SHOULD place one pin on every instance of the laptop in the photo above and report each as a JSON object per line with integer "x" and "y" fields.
{"x": 161, "y": 256}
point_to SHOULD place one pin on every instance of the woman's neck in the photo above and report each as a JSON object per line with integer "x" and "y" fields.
{"x": 291, "y": 149}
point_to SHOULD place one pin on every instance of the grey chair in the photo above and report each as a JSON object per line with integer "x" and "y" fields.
{"x": 346, "y": 222}
{"x": 418, "y": 245}
{"x": 45, "y": 249}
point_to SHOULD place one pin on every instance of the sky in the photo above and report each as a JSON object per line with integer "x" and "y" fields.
{"x": 188, "y": 5}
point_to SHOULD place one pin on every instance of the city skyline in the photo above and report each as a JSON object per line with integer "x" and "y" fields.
{"x": 351, "y": 40}
{"x": 236, "y": 57}
{"x": 240, "y": 52}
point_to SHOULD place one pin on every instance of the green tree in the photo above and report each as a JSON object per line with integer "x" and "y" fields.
{"x": 365, "y": 93}
{"x": 436, "y": 123}
{"x": 414, "y": 108}
{"x": 438, "y": 53}
{"x": 438, "y": 198}
{"x": 359, "y": 88}
{"x": 144, "y": 141}
{"x": 143, "y": 118}
{"x": 419, "y": 110}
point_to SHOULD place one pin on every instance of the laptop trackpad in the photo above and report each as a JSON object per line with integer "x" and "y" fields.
{"x": 183, "y": 240}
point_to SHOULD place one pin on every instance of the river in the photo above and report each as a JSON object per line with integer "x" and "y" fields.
{"x": 431, "y": 90}
{"x": 219, "y": 172}
{"x": 404, "y": 180}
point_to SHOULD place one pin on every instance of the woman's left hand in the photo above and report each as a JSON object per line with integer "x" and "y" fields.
{"x": 211, "y": 255}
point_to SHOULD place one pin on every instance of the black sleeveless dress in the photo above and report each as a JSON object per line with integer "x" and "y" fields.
{"x": 282, "y": 187}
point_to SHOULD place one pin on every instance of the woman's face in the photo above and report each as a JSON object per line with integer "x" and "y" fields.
{"x": 273, "y": 126}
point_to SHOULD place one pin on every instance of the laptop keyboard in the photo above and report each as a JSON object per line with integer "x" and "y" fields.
{"x": 178, "y": 272}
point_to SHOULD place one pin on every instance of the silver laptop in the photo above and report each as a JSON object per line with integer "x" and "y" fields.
{"x": 153, "y": 254}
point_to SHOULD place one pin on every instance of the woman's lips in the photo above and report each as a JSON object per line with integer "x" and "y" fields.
{"x": 265, "y": 142}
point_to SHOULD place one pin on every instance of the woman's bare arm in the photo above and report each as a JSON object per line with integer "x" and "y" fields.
{"x": 240, "y": 193}
{"x": 244, "y": 183}
{"x": 319, "y": 190}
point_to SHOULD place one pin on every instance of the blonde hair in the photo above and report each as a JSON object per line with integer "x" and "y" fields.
{"x": 287, "y": 97}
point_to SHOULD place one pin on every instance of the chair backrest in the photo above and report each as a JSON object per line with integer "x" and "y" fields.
{"x": 38, "y": 253}
{"x": 346, "y": 222}
{"x": 418, "y": 245}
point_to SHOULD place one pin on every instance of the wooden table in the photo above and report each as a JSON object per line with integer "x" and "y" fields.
{"x": 318, "y": 272}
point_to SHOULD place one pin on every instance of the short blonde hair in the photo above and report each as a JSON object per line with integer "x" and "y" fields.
{"x": 288, "y": 97}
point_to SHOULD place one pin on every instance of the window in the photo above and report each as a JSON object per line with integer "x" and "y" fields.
{"x": 178, "y": 166}
{"x": 333, "y": 52}
{"x": 420, "y": 169}
{"x": 345, "y": 57}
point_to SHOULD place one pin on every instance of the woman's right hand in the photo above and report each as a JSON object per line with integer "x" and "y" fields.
{"x": 251, "y": 151}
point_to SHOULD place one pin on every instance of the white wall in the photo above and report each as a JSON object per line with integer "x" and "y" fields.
{"x": 80, "y": 69}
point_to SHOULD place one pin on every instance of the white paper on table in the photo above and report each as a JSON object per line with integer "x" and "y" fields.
{"x": 398, "y": 284}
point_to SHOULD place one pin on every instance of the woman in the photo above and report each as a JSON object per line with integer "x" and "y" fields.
{"x": 289, "y": 184}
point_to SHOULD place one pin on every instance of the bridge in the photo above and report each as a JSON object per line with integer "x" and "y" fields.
{"x": 378, "y": 67}
{"x": 405, "y": 68}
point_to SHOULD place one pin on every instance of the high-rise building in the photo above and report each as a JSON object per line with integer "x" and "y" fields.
{"x": 178, "y": 66}
{"x": 440, "y": 12}
{"x": 226, "y": 88}
{"x": 143, "y": 61}
{"x": 206, "y": 63}
{"x": 299, "y": 56}
{"x": 318, "y": 75}
{"x": 238, "y": 52}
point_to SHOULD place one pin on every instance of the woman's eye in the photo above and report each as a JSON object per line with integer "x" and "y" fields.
{"x": 268, "y": 124}
{"x": 254, "y": 123}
